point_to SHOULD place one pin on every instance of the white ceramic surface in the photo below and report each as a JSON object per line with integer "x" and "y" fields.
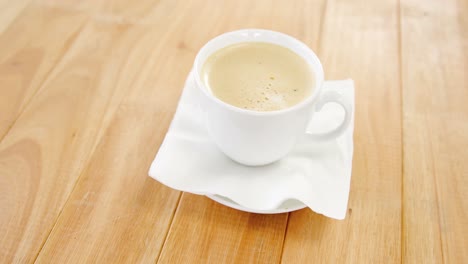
{"x": 259, "y": 138}
{"x": 285, "y": 207}
{"x": 317, "y": 174}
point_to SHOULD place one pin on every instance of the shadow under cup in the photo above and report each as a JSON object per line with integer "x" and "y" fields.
{"x": 250, "y": 137}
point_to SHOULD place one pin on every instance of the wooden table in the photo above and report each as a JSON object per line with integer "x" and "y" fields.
{"x": 88, "y": 89}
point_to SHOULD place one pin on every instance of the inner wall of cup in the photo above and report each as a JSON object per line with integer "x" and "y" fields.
{"x": 260, "y": 36}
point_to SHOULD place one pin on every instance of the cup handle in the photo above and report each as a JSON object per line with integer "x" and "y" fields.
{"x": 331, "y": 94}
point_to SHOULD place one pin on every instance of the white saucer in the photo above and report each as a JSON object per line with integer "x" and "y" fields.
{"x": 286, "y": 207}
{"x": 314, "y": 174}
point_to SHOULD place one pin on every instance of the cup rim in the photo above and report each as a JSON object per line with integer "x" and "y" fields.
{"x": 316, "y": 67}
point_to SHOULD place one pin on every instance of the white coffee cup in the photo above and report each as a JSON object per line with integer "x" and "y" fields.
{"x": 258, "y": 138}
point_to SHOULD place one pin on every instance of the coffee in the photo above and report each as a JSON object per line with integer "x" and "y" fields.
{"x": 258, "y": 76}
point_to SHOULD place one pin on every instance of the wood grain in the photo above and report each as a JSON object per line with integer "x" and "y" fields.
{"x": 88, "y": 90}
{"x": 9, "y": 10}
{"x": 360, "y": 40}
{"x": 46, "y": 150}
{"x": 115, "y": 203}
{"x": 204, "y": 231}
{"x": 27, "y": 58}
{"x": 435, "y": 90}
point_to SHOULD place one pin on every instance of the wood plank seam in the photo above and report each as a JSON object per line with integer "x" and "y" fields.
{"x": 432, "y": 158}
{"x": 67, "y": 47}
{"x": 400, "y": 82}
{"x": 59, "y": 214}
{"x": 284, "y": 237}
{"x": 437, "y": 198}
{"x": 319, "y": 44}
{"x": 25, "y": 106}
{"x": 89, "y": 158}
{"x": 170, "y": 226}
{"x": 148, "y": 64}
{"x": 322, "y": 22}
{"x": 93, "y": 149}
{"x": 91, "y": 153}
{"x": 371, "y": 28}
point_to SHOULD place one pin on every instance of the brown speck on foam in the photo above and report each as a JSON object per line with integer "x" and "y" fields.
{"x": 272, "y": 78}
